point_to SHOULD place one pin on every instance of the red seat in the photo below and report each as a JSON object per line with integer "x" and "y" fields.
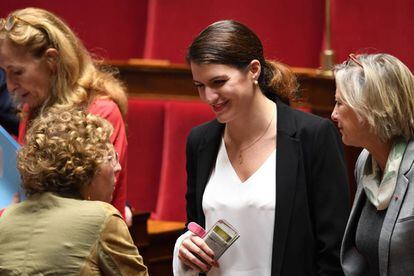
{"x": 157, "y": 135}
{"x": 180, "y": 117}
{"x": 145, "y": 128}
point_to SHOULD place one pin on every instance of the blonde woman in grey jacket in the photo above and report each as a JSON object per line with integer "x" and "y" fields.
{"x": 375, "y": 110}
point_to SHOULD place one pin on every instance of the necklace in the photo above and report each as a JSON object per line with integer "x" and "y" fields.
{"x": 240, "y": 157}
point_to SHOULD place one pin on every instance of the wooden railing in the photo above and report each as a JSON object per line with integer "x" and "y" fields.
{"x": 155, "y": 241}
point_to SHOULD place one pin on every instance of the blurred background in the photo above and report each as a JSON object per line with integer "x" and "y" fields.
{"x": 292, "y": 31}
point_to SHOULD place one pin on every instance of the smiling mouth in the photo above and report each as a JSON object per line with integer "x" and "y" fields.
{"x": 219, "y": 106}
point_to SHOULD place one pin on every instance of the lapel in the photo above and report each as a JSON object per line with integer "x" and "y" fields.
{"x": 349, "y": 254}
{"x": 394, "y": 209}
{"x": 287, "y": 162}
{"x": 207, "y": 154}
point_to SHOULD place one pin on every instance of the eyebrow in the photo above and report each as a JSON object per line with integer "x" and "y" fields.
{"x": 10, "y": 66}
{"x": 218, "y": 77}
{"x": 213, "y": 78}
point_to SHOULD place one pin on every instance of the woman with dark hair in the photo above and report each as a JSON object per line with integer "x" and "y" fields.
{"x": 276, "y": 174}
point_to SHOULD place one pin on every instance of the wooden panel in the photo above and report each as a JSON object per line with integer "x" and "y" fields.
{"x": 159, "y": 79}
{"x": 155, "y": 241}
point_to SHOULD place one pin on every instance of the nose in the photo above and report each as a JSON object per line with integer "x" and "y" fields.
{"x": 117, "y": 167}
{"x": 11, "y": 84}
{"x": 210, "y": 95}
{"x": 334, "y": 115}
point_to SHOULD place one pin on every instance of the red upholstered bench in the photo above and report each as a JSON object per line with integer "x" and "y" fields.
{"x": 180, "y": 117}
{"x": 157, "y": 132}
{"x": 145, "y": 128}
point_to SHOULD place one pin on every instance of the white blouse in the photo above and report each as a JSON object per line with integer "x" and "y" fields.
{"x": 249, "y": 206}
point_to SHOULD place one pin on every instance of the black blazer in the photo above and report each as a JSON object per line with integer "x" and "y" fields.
{"x": 8, "y": 117}
{"x": 312, "y": 195}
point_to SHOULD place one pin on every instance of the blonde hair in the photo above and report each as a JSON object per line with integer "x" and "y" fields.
{"x": 63, "y": 151}
{"x": 380, "y": 90}
{"x": 78, "y": 78}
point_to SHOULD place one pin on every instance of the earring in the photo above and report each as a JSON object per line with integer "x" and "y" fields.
{"x": 256, "y": 82}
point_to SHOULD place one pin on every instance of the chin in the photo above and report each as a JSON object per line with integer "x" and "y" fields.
{"x": 345, "y": 141}
{"x": 349, "y": 143}
{"x": 32, "y": 105}
{"x": 221, "y": 120}
{"x": 224, "y": 118}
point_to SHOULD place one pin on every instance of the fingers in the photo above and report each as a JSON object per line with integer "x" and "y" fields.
{"x": 16, "y": 198}
{"x": 192, "y": 261}
{"x": 195, "y": 253}
{"x": 201, "y": 244}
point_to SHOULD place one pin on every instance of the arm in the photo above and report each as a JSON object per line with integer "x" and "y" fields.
{"x": 188, "y": 245}
{"x": 117, "y": 254}
{"x": 330, "y": 197}
{"x": 179, "y": 268}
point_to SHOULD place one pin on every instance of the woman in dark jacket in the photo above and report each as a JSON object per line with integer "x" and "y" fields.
{"x": 276, "y": 174}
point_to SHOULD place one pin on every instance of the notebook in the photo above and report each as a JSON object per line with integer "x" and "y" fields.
{"x": 9, "y": 175}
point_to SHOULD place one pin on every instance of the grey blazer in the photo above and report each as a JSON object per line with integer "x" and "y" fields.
{"x": 396, "y": 242}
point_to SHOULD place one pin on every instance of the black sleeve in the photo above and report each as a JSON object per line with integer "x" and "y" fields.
{"x": 191, "y": 167}
{"x": 330, "y": 197}
{"x": 8, "y": 117}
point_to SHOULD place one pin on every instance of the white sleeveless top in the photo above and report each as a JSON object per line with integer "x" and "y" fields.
{"x": 250, "y": 207}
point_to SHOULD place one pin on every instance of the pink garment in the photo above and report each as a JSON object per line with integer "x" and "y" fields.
{"x": 106, "y": 109}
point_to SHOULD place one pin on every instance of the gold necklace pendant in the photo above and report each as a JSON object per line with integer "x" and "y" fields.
{"x": 240, "y": 159}
{"x": 240, "y": 151}
{"x": 254, "y": 142}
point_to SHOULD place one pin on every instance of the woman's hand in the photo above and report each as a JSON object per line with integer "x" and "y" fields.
{"x": 192, "y": 247}
{"x": 16, "y": 198}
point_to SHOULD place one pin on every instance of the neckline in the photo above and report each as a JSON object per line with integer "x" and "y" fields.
{"x": 233, "y": 170}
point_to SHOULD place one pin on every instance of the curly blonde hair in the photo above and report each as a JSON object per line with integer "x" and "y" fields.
{"x": 63, "y": 151}
{"x": 78, "y": 78}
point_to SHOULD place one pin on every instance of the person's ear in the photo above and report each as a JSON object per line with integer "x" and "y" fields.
{"x": 52, "y": 56}
{"x": 255, "y": 69}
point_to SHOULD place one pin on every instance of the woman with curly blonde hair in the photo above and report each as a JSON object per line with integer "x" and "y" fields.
{"x": 47, "y": 65}
{"x": 67, "y": 158}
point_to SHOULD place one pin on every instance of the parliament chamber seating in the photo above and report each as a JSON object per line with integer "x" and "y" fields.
{"x": 157, "y": 132}
{"x": 163, "y": 107}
